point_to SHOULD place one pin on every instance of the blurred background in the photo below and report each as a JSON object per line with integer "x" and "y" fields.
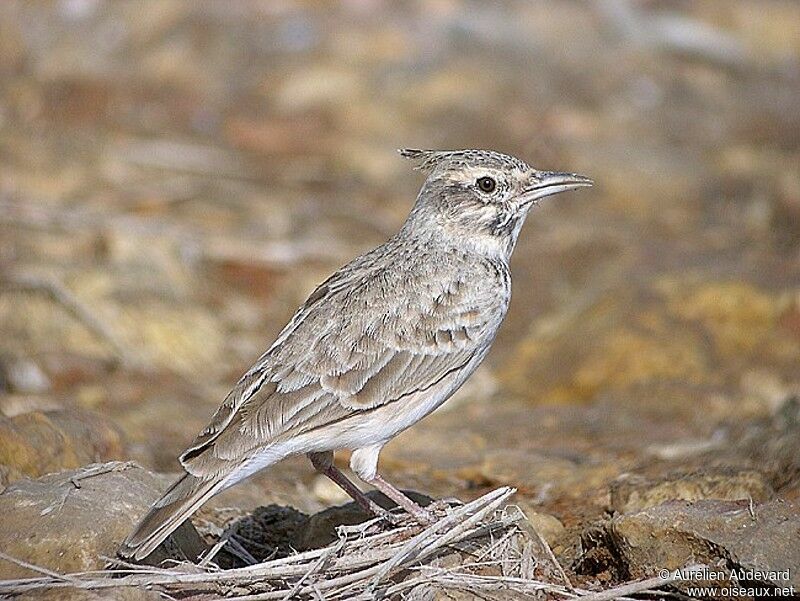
{"x": 176, "y": 177}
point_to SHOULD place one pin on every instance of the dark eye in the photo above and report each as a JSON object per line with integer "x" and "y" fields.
{"x": 486, "y": 184}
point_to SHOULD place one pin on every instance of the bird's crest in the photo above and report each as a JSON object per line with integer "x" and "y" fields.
{"x": 427, "y": 160}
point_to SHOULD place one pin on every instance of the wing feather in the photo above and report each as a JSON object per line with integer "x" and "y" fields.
{"x": 367, "y": 336}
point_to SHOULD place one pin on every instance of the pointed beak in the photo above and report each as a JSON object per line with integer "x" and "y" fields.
{"x": 547, "y": 183}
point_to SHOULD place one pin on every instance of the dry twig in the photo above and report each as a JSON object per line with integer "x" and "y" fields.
{"x": 365, "y": 563}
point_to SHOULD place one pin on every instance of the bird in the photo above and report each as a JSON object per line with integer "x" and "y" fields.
{"x": 376, "y": 347}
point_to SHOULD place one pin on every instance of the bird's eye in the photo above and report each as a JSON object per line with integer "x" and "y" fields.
{"x": 486, "y": 184}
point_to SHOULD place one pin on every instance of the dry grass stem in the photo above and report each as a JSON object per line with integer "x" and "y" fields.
{"x": 485, "y": 535}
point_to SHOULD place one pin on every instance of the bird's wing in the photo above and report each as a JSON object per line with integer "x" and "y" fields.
{"x": 364, "y": 338}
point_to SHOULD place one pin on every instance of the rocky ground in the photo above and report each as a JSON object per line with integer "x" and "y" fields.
{"x": 174, "y": 181}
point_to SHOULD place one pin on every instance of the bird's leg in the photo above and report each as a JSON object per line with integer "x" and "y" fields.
{"x": 364, "y": 463}
{"x": 419, "y": 513}
{"x": 323, "y": 463}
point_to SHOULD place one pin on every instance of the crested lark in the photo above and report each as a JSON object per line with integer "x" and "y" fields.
{"x": 376, "y": 347}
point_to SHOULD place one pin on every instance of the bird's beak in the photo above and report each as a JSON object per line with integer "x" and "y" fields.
{"x": 547, "y": 183}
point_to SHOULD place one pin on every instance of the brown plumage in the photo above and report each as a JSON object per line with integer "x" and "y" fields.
{"x": 376, "y": 347}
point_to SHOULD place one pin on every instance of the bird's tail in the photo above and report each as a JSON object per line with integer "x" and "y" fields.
{"x": 170, "y": 511}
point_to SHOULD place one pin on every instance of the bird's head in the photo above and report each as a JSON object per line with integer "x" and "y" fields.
{"x": 481, "y": 195}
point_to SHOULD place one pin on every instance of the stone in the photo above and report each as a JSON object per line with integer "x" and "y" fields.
{"x": 549, "y": 527}
{"x": 266, "y": 533}
{"x": 70, "y": 521}
{"x": 546, "y": 475}
{"x": 631, "y": 492}
{"x": 40, "y": 442}
{"x": 23, "y": 376}
{"x": 722, "y": 534}
{"x": 773, "y": 445}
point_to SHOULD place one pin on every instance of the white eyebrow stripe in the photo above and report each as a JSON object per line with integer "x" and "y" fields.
{"x": 472, "y": 174}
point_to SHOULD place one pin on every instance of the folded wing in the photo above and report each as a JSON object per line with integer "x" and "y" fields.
{"x": 366, "y": 337}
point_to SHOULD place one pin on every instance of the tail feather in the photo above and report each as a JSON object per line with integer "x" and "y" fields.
{"x": 180, "y": 501}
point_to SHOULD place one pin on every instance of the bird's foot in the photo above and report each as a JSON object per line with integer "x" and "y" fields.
{"x": 376, "y": 510}
{"x": 406, "y": 517}
{"x": 413, "y": 514}
{"x": 392, "y": 519}
{"x": 421, "y": 515}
